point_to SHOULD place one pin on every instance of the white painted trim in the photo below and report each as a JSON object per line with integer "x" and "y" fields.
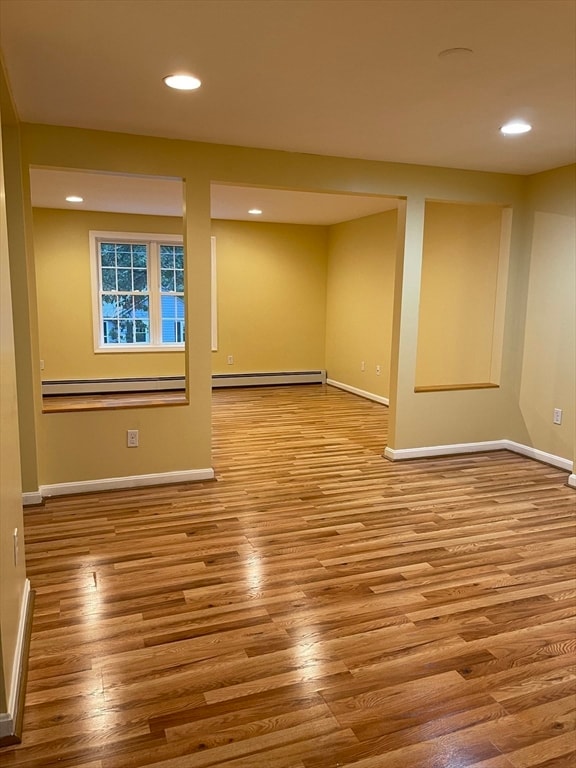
{"x": 271, "y": 378}
{"x": 213, "y": 295}
{"x": 133, "y": 481}
{"x": 8, "y": 719}
{"x": 534, "y": 453}
{"x": 401, "y": 454}
{"x": 30, "y": 498}
{"x": 177, "y": 383}
{"x": 6, "y": 725}
{"x": 359, "y": 392}
{"x": 572, "y": 480}
{"x": 489, "y": 445}
{"x": 98, "y": 386}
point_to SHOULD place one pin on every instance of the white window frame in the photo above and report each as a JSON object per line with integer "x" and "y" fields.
{"x": 154, "y": 290}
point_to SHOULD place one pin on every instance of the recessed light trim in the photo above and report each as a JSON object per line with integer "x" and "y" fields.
{"x": 74, "y": 199}
{"x": 255, "y": 212}
{"x": 515, "y": 128}
{"x": 182, "y": 82}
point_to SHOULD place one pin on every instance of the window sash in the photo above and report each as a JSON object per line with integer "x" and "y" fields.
{"x": 171, "y": 287}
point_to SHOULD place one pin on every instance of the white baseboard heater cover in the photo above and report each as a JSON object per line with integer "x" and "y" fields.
{"x": 266, "y": 379}
{"x": 102, "y": 386}
{"x": 178, "y": 383}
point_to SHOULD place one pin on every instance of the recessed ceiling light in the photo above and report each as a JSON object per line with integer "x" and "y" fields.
{"x": 74, "y": 199}
{"x": 515, "y": 127}
{"x": 255, "y": 211}
{"x": 182, "y": 82}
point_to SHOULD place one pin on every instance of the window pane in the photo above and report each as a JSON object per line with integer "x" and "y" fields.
{"x": 108, "y": 254}
{"x": 124, "y": 279}
{"x": 168, "y": 332}
{"x": 179, "y": 280}
{"x": 172, "y": 331}
{"x": 172, "y": 319}
{"x": 124, "y": 259}
{"x": 110, "y": 329}
{"x": 139, "y": 256}
{"x": 126, "y": 328}
{"x": 140, "y": 280}
{"x": 168, "y": 306}
{"x": 125, "y": 305}
{"x": 109, "y": 306}
{"x": 108, "y": 279}
{"x": 141, "y": 331}
{"x": 179, "y": 256}
{"x": 167, "y": 257}
{"x": 167, "y": 279}
{"x": 141, "y": 306}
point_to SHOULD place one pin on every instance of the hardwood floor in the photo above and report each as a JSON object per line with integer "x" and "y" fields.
{"x": 316, "y": 606}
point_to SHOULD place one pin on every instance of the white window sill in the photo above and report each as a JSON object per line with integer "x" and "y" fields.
{"x": 122, "y": 348}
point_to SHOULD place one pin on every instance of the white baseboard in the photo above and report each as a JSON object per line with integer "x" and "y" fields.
{"x": 359, "y": 392}
{"x": 401, "y": 454}
{"x": 534, "y": 453}
{"x": 134, "y": 481}
{"x": 31, "y": 497}
{"x": 19, "y": 665}
{"x": 572, "y": 480}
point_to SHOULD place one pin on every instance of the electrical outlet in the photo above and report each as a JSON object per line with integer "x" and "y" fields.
{"x": 362, "y": 366}
{"x": 557, "y": 416}
{"x": 16, "y": 547}
{"x": 230, "y": 359}
{"x": 132, "y": 438}
{"x": 378, "y": 370}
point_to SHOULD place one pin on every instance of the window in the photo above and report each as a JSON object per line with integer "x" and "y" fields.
{"x": 172, "y": 293}
{"x": 138, "y": 294}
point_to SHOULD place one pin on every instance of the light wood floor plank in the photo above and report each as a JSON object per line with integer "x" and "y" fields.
{"x": 314, "y": 606}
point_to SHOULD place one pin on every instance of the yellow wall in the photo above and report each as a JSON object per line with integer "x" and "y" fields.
{"x": 458, "y": 293}
{"x": 271, "y": 296}
{"x": 360, "y": 293}
{"x": 549, "y": 354}
{"x": 23, "y": 288}
{"x": 424, "y": 419}
{"x": 415, "y": 419}
{"x": 62, "y": 256}
{"x": 12, "y": 576}
{"x": 88, "y": 446}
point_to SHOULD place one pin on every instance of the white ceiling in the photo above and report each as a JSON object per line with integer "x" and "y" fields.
{"x": 354, "y": 78}
{"x": 163, "y": 197}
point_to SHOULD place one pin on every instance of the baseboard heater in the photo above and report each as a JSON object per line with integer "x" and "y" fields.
{"x": 177, "y": 383}
{"x": 267, "y": 379}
